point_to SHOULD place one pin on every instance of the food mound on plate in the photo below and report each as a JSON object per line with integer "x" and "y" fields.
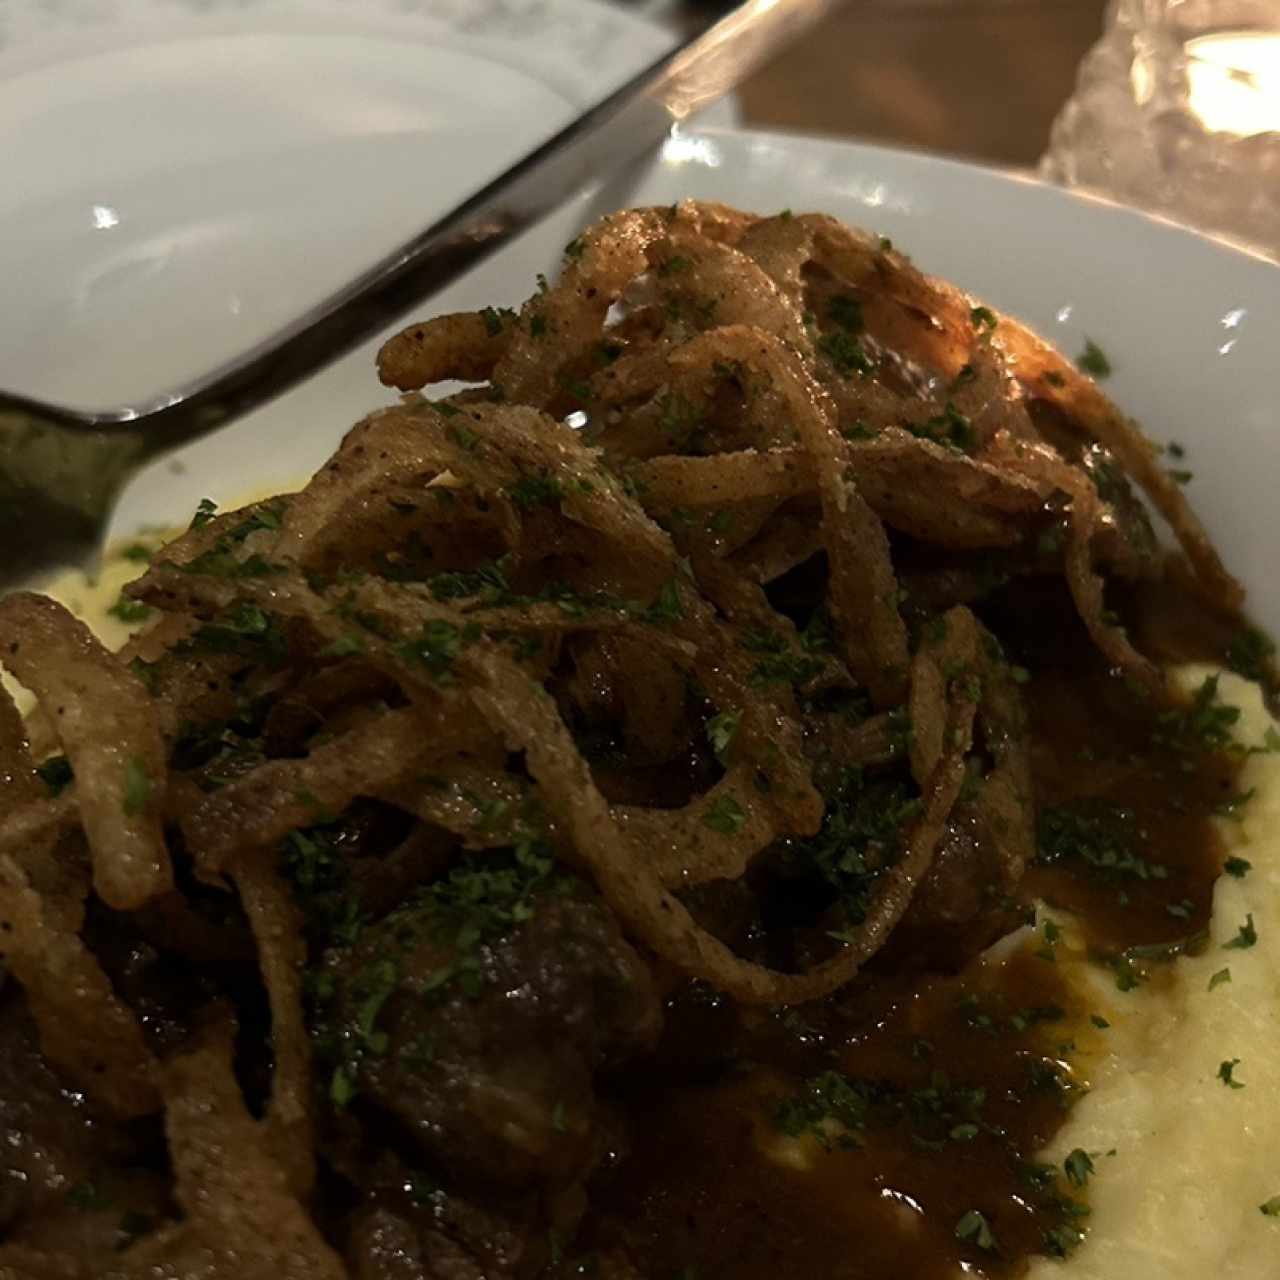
{"x": 557, "y": 841}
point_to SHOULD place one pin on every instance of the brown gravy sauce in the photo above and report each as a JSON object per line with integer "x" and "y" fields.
{"x": 969, "y": 1075}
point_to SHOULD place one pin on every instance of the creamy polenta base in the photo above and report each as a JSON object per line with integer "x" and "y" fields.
{"x": 1182, "y": 1118}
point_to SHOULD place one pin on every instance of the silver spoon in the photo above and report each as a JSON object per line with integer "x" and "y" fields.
{"x": 61, "y": 469}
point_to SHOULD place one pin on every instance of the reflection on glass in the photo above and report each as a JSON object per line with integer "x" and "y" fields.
{"x": 1233, "y": 81}
{"x": 1177, "y": 110}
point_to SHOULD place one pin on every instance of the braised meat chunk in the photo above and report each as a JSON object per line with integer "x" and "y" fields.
{"x": 478, "y": 1014}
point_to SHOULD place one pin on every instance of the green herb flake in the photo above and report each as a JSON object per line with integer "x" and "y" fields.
{"x": 1206, "y": 725}
{"x": 846, "y": 354}
{"x": 436, "y": 646}
{"x": 1226, "y": 1074}
{"x": 1062, "y": 1240}
{"x": 1093, "y": 360}
{"x": 666, "y": 607}
{"x": 1246, "y": 936}
{"x": 1249, "y": 653}
{"x": 1099, "y": 1021}
{"x": 344, "y": 647}
{"x": 536, "y": 490}
{"x": 463, "y": 437}
{"x": 206, "y": 509}
{"x": 1219, "y": 979}
{"x": 1237, "y": 867}
{"x": 146, "y": 672}
{"x": 137, "y": 787}
{"x": 846, "y": 311}
{"x": 973, "y": 1228}
{"x": 494, "y": 319}
{"x": 724, "y": 815}
{"x": 1271, "y": 1208}
{"x": 951, "y": 428}
{"x": 721, "y": 730}
{"x": 982, "y": 318}
{"x": 130, "y": 611}
{"x": 1078, "y": 1167}
{"x": 138, "y": 552}
{"x": 342, "y": 1087}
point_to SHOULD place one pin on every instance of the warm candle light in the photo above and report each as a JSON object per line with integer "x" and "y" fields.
{"x": 1233, "y": 81}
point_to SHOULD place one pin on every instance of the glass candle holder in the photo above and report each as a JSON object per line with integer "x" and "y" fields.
{"x": 1177, "y": 110}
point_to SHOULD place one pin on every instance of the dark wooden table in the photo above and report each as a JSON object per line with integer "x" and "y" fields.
{"x": 975, "y": 78}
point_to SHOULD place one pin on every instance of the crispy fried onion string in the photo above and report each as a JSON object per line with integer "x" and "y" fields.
{"x": 108, "y": 729}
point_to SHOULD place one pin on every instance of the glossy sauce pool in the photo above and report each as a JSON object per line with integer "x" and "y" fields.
{"x": 742, "y": 1163}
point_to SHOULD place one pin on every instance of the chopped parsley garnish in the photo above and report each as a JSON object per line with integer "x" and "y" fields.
{"x": 982, "y": 317}
{"x": 721, "y": 730}
{"x": 146, "y": 672}
{"x": 138, "y": 552}
{"x": 437, "y": 645}
{"x": 1237, "y": 867}
{"x": 487, "y": 580}
{"x": 1205, "y": 725}
{"x": 344, "y": 647}
{"x": 1093, "y": 360}
{"x": 495, "y": 318}
{"x": 780, "y": 664}
{"x": 137, "y": 787}
{"x": 724, "y": 815}
{"x": 950, "y": 427}
{"x": 1246, "y": 936}
{"x": 1226, "y": 1074}
{"x": 973, "y": 1228}
{"x": 463, "y": 437}
{"x": 1078, "y": 1167}
{"x": 1222, "y": 976}
{"x": 846, "y": 354}
{"x": 221, "y": 560}
{"x": 846, "y": 311}
{"x": 680, "y": 419}
{"x": 1099, "y": 1021}
{"x": 666, "y": 607}
{"x": 1249, "y": 653}
{"x": 1062, "y": 1240}
{"x": 242, "y": 628}
{"x": 206, "y": 509}
{"x": 532, "y": 491}
{"x": 1271, "y": 1208}
{"x": 1102, "y": 837}
{"x": 860, "y": 839}
{"x": 130, "y": 611}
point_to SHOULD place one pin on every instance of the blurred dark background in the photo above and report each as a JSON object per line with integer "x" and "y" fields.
{"x": 976, "y": 78}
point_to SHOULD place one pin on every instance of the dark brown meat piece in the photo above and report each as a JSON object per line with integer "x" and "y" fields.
{"x": 50, "y": 1140}
{"x": 410, "y": 1230}
{"x": 962, "y": 906}
{"x": 491, "y": 1071}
